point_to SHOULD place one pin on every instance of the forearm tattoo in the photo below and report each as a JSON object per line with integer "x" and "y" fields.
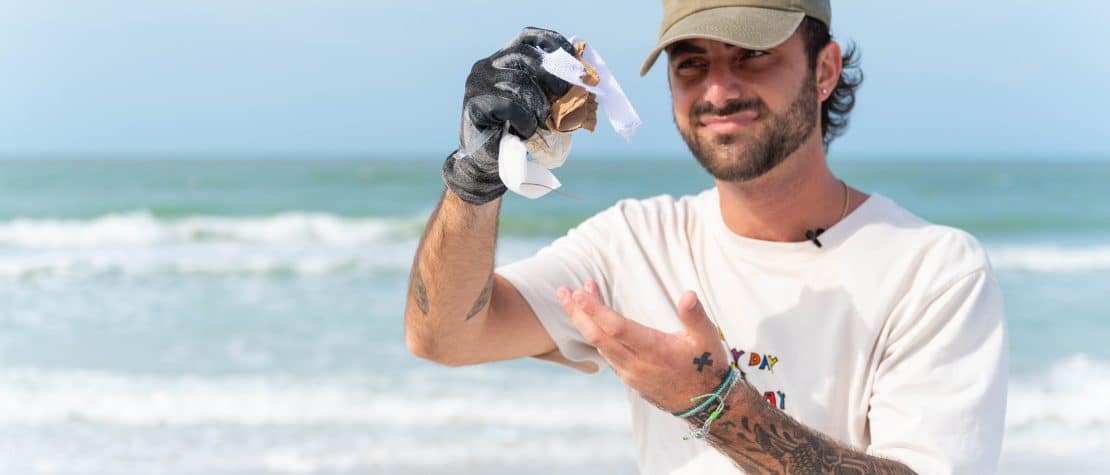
{"x": 419, "y": 291}
{"x": 769, "y": 441}
{"x": 482, "y": 299}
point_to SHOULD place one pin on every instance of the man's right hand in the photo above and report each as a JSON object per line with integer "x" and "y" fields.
{"x": 509, "y": 87}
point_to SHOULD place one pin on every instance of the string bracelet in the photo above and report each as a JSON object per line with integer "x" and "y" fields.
{"x": 703, "y": 431}
{"x": 708, "y": 398}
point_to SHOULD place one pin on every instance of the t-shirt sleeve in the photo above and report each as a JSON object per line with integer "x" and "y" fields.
{"x": 570, "y": 260}
{"x": 939, "y": 399}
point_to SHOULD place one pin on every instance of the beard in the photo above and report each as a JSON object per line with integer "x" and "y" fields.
{"x": 750, "y": 154}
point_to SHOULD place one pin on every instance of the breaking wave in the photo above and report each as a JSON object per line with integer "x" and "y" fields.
{"x": 1051, "y": 258}
{"x": 141, "y": 228}
{"x": 139, "y": 243}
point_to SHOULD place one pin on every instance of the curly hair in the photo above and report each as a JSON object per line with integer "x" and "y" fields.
{"x": 835, "y": 109}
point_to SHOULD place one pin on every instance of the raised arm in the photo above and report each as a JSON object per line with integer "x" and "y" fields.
{"x": 458, "y": 311}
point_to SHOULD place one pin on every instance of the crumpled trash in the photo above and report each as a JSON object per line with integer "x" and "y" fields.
{"x": 592, "y": 86}
{"x": 578, "y": 107}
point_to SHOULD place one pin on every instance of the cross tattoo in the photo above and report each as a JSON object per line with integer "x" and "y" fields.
{"x": 703, "y": 361}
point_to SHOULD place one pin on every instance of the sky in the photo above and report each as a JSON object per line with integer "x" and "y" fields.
{"x": 944, "y": 79}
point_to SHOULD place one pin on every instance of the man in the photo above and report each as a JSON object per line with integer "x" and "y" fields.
{"x": 874, "y": 345}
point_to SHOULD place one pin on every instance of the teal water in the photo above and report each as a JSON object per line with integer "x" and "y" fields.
{"x": 1018, "y": 199}
{"x": 245, "y": 316}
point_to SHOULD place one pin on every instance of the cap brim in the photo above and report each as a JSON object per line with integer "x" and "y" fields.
{"x": 747, "y": 27}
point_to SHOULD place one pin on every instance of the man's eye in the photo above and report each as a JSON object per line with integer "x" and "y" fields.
{"x": 690, "y": 64}
{"x": 754, "y": 54}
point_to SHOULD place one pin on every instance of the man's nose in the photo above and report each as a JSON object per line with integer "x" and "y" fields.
{"x": 722, "y": 85}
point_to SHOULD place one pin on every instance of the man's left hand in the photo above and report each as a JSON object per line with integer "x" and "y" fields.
{"x": 667, "y": 369}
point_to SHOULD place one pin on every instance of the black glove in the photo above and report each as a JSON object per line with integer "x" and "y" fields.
{"x": 507, "y": 87}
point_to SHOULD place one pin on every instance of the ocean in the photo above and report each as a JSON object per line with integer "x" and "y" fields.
{"x": 245, "y": 317}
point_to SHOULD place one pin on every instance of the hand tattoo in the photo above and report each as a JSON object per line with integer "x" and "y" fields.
{"x": 703, "y": 361}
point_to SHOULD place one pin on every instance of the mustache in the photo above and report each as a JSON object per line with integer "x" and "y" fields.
{"x": 730, "y": 107}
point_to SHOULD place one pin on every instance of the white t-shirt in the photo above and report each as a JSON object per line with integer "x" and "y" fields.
{"x": 890, "y": 338}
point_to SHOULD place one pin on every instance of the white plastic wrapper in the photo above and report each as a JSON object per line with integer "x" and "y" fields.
{"x": 563, "y": 65}
{"x": 549, "y": 150}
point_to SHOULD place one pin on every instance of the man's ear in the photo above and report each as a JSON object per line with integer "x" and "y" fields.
{"x": 830, "y": 64}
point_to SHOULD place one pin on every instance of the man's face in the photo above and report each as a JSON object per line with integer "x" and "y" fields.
{"x": 742, "y": 112}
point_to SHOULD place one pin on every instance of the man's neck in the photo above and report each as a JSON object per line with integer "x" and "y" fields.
{"x": 800, "y": 194}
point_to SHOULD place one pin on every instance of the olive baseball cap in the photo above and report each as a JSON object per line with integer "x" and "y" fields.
{"x": 750, "y": 24}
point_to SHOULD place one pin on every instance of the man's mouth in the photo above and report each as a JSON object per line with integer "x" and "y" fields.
{"x": 729, "y": 123}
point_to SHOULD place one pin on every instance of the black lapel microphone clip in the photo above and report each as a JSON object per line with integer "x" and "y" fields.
{"x": 811, "y": 234}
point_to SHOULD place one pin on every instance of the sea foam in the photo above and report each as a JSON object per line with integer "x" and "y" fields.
{"x": 139, "y": 243}
{"x": 31, "y": 396}
{"x": 1061, "y": 410}
{"x": 138, "y": 228}
{"x": 1050, "y": 257}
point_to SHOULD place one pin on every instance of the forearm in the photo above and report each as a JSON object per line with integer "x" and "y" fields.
{"x": 760, "y": 438}
{"x": 452, "y": 275}
{"x": 449, "y": 317}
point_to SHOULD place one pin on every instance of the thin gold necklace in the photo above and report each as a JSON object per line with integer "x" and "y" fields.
{"x": 844, "y": 213}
